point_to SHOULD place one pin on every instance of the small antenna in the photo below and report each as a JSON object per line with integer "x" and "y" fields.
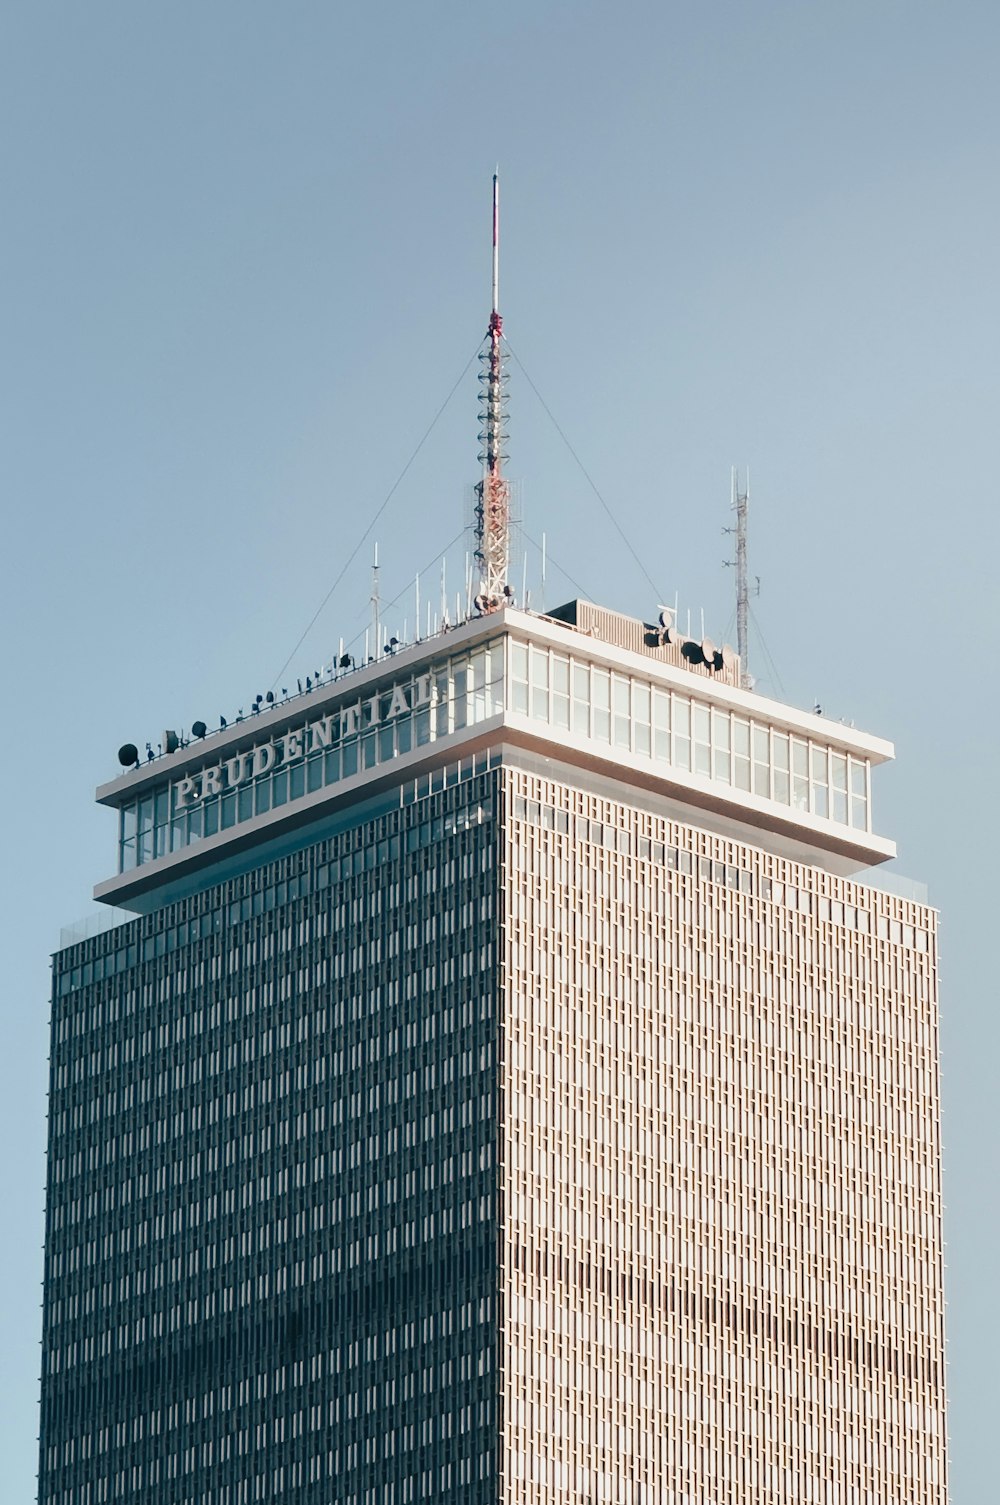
{"x": 376, "y": 605}
{"x": 493, "y": 491}
{"x": 416, "y": 616}
{"x": 496, "y": 240}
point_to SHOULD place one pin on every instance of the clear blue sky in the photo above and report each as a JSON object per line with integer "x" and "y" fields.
{"x": 244, "y": 258}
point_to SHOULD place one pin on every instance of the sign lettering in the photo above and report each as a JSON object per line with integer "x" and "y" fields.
{"x": 292, "y": 745}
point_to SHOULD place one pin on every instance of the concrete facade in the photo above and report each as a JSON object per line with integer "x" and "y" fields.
{"x": 720, "y": 1191}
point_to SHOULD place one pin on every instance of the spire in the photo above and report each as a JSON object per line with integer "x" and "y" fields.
{"x": 496, "y": 248}
{"x": 493, "y": 491}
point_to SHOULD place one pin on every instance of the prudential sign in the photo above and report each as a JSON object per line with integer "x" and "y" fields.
{"x": 292, "y": 746}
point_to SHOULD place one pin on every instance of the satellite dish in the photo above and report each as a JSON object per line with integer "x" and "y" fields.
{"x": 666, "y": 618}
{"x": 728, "y": 656}
{"x": 198, "y": 729}
{"x": 171, "y": 742}
{"x": 708, "y": 651}
{"x": 128, "y": 754}
{"x": 269, "y": 697}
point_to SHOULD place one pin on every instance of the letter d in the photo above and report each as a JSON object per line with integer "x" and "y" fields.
{"x": 263, "y": 759}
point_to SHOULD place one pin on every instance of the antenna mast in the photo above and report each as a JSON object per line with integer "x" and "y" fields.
{"x": 741, "y": 506}
{"x": 493, "y": 491}
{"x": 376, "y": 603}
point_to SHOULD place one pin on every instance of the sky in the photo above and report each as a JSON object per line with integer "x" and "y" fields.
{"x": 244, "y": 268}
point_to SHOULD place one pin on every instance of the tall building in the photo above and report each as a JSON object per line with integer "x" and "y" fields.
{"x": 509, "y": 1089}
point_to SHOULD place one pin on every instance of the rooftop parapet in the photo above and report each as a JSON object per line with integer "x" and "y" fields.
{"x": 662, "y": 641}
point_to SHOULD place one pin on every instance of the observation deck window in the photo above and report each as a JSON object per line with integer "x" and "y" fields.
{"x": 631, "y": 714}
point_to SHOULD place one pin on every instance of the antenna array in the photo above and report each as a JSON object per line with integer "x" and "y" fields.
{"x": 493, "y": 491}
{"x": 741, "y": 506}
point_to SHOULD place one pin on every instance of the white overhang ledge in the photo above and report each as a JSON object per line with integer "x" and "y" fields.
{"x": 813, "y": 834}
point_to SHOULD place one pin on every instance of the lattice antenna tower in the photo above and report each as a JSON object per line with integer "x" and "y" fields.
{"x": 741, "y": 506}
{"x": 493, "y": 491}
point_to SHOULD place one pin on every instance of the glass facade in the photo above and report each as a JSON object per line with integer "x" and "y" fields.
{"x": 686, "y": 733}
{"x": 271, "y": 1228}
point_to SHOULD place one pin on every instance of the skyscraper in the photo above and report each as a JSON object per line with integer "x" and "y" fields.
{"x": 509, "y": 1088}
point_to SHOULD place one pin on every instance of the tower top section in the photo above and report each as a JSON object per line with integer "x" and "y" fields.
{"x": 582, "y": 686}
{"x": 493, "y": 491}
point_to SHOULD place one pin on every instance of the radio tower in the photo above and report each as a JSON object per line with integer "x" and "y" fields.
{"x": 741, "y": 506}
{"x": 493, "y": 491}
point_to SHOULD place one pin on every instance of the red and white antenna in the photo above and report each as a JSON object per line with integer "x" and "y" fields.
{"x": 493, "y": 491}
